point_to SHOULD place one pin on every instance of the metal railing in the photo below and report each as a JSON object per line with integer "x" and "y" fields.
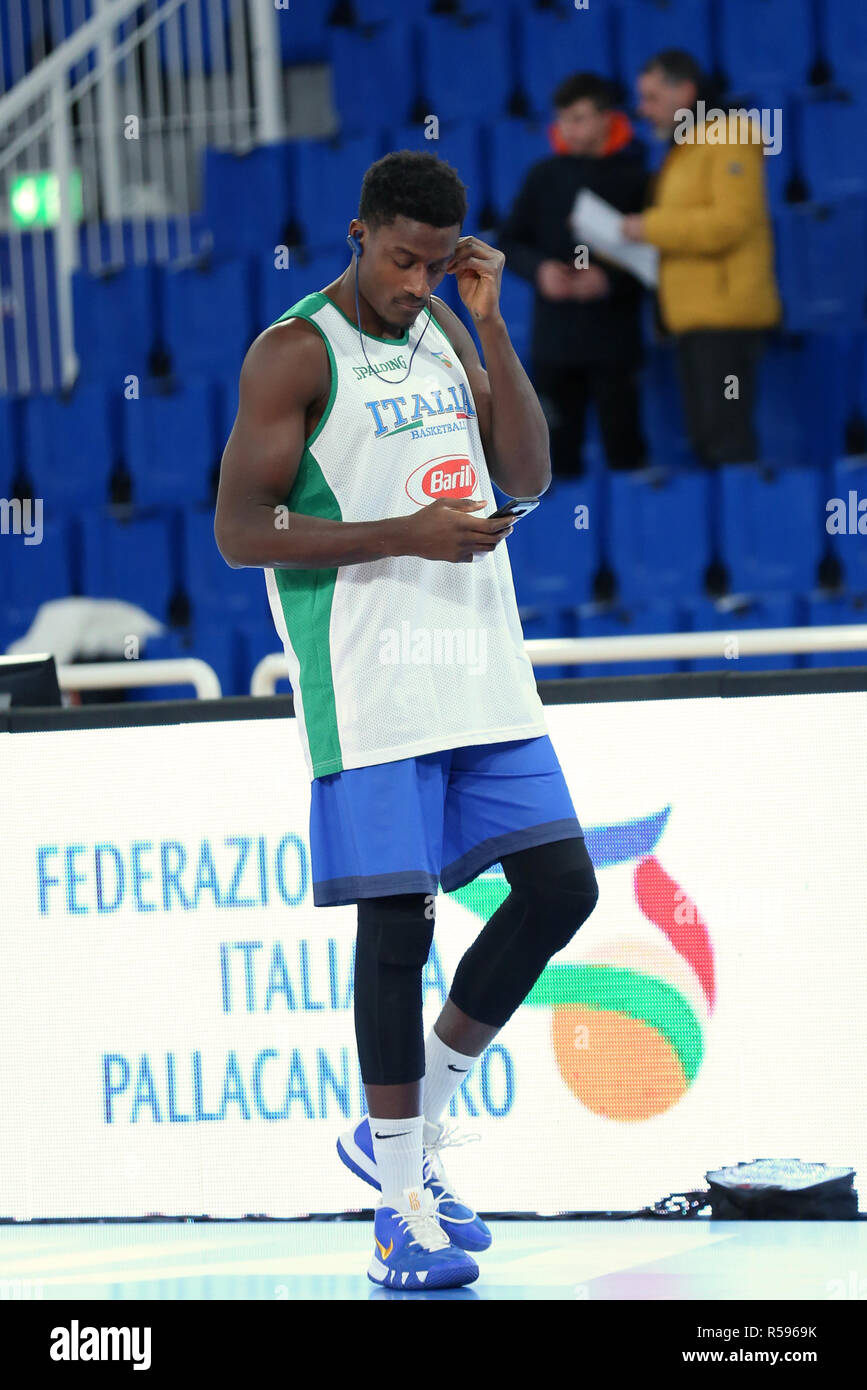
{"x": 100, "y": 148}
{"x": 667, "y": 646}
{"x": 560, "y": 651}
{"x": 117, "y": 675}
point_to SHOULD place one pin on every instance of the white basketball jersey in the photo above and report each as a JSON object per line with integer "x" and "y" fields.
{"x": 401, "y": 656}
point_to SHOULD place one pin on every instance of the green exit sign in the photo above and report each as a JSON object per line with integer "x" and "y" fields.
{"x": 34, "y": 199}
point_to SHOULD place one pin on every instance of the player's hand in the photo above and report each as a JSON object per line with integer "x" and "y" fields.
{"x": 447, "y": 530}
{"x": 478, "y": 268}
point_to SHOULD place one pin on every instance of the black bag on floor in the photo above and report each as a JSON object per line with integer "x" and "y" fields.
{"x": 784, "y": 1189}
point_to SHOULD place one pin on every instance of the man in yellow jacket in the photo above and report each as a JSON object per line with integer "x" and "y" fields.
{"x": 709, "y": 218}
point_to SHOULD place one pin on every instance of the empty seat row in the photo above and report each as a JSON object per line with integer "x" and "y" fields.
{"x": 657, "y": 535}
{"x": 205, "y": 319}
{"x": 749, "y": 40}
{"x": 769, "y": 529}
{"x": 306, "y": 190}
{"x": 118, "y": 439}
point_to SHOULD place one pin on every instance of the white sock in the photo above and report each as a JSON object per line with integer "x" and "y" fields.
{"x": 398, "y": 1158}
{"x": 444, "y": 1070}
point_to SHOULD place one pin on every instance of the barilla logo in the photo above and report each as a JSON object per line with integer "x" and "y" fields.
{"x": 445, "y": 476}
{"x": 628, "y": 1020}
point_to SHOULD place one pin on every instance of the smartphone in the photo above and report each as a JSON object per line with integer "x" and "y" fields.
{"x": 515, "y": 508}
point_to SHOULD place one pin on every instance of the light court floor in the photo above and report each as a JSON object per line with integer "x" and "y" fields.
{"x": 576, "y": 1260}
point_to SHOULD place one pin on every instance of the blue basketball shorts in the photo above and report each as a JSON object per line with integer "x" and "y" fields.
{"x": 442, "y": 818}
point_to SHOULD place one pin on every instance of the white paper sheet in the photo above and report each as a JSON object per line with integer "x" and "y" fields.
{"x": 598, "y": 225}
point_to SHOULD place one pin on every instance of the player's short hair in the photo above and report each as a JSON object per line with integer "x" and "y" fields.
{"x": 676, "y": 65}
{"x": 585, "y": 86}
{"x": 413, "y": 184}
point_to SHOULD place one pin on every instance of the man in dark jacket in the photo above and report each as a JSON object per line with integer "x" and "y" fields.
{"x": 586, "y": 341}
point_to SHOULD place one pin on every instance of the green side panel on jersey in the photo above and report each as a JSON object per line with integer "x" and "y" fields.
{"x": 307, "y": 596}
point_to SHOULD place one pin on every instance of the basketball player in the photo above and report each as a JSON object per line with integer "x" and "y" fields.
{"x": 358, "y": 476}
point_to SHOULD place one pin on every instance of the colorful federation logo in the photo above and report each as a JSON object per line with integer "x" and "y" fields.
{"x": 627, "y": 1020}
{"x": 446, "y": 361}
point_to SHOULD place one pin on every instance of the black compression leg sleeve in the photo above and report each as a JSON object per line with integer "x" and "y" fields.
{"x": 391, "y": 948}
{"x": 554, "y": 890}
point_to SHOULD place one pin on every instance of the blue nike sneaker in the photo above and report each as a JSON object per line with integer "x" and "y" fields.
{"x": 461, "y": 1223}
{"x": 412, "y": 1249}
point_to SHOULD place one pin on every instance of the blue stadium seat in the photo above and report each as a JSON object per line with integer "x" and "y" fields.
{"x": 725, "y": 616}
{"x": 850, "y": 546}
{"x": 329, "y": 175}
{"x": 257, "y": 638}
{"x": 211, "y": 584}
{"x": 659, "y": 536}
{"x": 170, "y": 443}
{"x": 844, "y": 32}
{"x": 247, "y": 197}
{"x": 116, "y": 320}
{"x": 217, "y": 642}
{"x": 771, "y": 528}
{"x": 628, "y": 620}
{"x": 306, "y": 272}
{"x": 209, "y": 315}
{"x": 21, "y": 30}
{"x": 548, "y": 622}
{"x": 807, "y": 390}
{"x": 520, "y": 549}
{"x": 12, "y": 451}
{"x": 765, "y": 41}
{"x": 132, "y": 560}
{"x": 70, "y": 445}
{"x": 304, "y": 34}
{"x": 38, "y": 573}
{"x": 466, "y": 73}
{"x": 513, "y": 146}
{"x": 227, "y": 389}
{"x": 821, "y": 264}
{"x": 647, "y": 26}
{"x": 559, "y": 561}
{"x": 171, "y": 645}
{"x": 138, "y": 240}
{"x": 552, "y": 44}
{"x": 834, "y": 162}
{"x": 823, "y": 611}
{"x": 516, "y": 305}
{"x": 376, "y": 74}
{"x": 379, "y": 11}
{"x": 783, "y": 404}
{"x": 10, "y": 628}
{"x": 460, "y": 145}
